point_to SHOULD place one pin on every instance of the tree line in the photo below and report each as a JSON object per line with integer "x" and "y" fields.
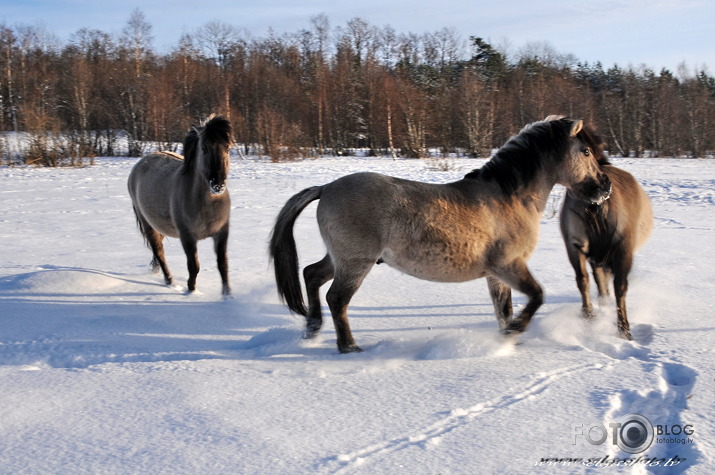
{"x": 328, "y": 90}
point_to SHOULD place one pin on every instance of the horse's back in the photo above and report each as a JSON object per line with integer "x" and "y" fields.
{"x": 369, "y": 200}
{"x": 357, "y": 207}
{"x": 430, "y": 231}
{"x": 155, "y": 167}
{"x": 158, "y": 163}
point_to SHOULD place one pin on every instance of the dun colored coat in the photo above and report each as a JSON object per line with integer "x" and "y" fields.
{"x": 607, "y": 235}
{"x": 186, "y": 198}
{"x": 485, "y": 225}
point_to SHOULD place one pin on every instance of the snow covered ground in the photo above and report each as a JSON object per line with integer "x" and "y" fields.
{"x": 103, "y": 369}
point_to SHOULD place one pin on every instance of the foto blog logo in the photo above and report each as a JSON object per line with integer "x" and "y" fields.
{"x": 632, "y": 433}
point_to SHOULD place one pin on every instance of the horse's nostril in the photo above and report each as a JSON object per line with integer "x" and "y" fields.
{"x": 217, "y": 188}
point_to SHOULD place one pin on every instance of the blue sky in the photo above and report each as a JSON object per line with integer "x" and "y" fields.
{"x": 657, "y": 33}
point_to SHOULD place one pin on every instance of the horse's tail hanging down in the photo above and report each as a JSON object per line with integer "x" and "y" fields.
{"x": 283, "y": 251}
{"x": 141, "y": 226}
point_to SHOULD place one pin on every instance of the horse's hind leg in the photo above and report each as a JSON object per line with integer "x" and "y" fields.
{"x": 501, "y": 298}
{"x": 517, "y": 276}
{"x": 345, "y": 284}
{"x": 220, "y": 245}
{"x": 315, "y": 276}
{"x": 158, "y": 261}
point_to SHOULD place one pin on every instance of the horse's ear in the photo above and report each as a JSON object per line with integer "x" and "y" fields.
{"x": 576, "y": 127}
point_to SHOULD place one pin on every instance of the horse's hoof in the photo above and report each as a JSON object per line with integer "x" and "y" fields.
{"x": 587, "y": 314}
{"x": 514, "y": 328}
{"x": 509, "y": 336}
{"x": 350, "y": 349}
{"x": 626, "y": 335}
{"x": 312, "y": 327}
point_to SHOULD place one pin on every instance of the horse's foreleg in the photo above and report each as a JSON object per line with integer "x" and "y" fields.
{"x": 315, "y": 276}
{"x": 220, "y": 245}
{"x": 501, "y": 298}
{"x": 578, "y": 262}
{"x": 518, "y": 277}
{"x": 192, "y": 259}
{"x": 620, "y": 286}
{"x": 345, "y": 284}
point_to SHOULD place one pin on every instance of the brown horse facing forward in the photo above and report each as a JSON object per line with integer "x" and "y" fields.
{"x": 485, "y": 225}
{"x": 186, "y": 197}
{"x": 607, "y": 235}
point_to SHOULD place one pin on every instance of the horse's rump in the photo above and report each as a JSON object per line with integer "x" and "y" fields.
{"x": 630, "y": 207}
{"x": 624, "y": 220}
{"x": 150, "y": 189}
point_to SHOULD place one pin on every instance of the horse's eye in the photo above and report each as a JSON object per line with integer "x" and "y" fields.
{"x": 586, "y": 151}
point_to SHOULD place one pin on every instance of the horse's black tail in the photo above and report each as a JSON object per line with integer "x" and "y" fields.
{"x": 140, "y": 225}
{"x": 283, "y": 251}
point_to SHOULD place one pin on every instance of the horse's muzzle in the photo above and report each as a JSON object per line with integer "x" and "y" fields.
{"x": 605, "y": 187}
{"x": 593, "y": 191}
{"x": 217, "y": 188}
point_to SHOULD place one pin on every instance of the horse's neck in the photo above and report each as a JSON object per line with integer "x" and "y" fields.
{"x": 533, "y": 195}
{"x": 536, "y": 193}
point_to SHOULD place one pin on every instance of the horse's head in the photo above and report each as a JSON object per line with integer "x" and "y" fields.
{"x": 580, "y": 172}
{"x": 206, "y": 149}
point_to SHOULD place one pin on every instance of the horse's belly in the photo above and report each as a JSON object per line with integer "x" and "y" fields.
{"x": 165, "y": 227}
{"x": 436, "y": 267}
{"x": 158, "y": 214}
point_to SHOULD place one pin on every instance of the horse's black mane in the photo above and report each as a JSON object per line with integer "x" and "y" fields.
{"x": 217, "y": 129}
{"x": 190, "y": 143}
{"x": 521, "y": 158}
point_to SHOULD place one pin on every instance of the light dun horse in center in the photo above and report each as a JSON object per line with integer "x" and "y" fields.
{"x": 485, "y": 225}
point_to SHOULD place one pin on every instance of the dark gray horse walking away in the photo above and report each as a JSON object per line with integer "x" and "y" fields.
{"x": 186, "y": 197}
{"x": 485, "y": 225}
{"x": 607, "y": 235}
